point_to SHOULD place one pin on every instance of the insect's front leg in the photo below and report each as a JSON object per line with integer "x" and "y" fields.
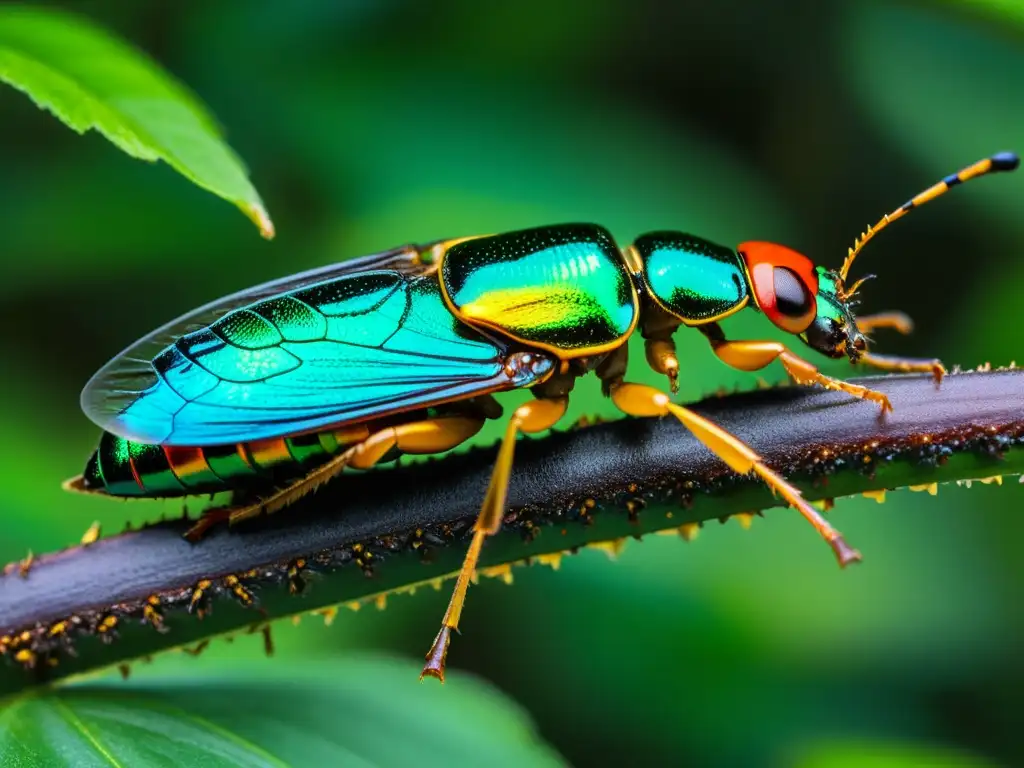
{"x": 900, "y": 323}
{"x": 904, "y": 364}
{"x": 755, "y": 355}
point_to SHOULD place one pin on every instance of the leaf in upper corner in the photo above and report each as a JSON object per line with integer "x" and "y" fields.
{"x": 361, "y": 711}
{"x": 91, "y": 80}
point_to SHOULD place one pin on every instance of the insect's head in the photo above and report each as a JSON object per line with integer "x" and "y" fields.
{"x": 802, "y": 299}
{"x": 817, "y": 304}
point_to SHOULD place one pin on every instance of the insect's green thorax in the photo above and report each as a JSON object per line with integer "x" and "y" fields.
{"x": 693, "y": 279}
{"x": 563, "y": 288}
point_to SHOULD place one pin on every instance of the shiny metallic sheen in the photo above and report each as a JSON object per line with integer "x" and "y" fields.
{"x": 116, "y": 386}
{"x": 333, "y": 352}
{"x": 695, "y": 280}
{"x": 562, "y": 288}
{"x": 128, "y": 468}
{"x": 834, "y": 328}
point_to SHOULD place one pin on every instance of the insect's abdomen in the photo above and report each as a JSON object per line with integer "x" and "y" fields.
{"x": 563, "y": 288}
{"x": 124, "y": 467}
{"x": 694, "y": 279}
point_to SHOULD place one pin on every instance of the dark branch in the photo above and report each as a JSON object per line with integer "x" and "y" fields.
{"x": 104, "y": 604}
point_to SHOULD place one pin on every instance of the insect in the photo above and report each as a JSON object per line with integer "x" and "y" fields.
{"x": 273, "y": 391}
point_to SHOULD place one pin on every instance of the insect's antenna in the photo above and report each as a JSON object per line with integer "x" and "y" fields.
{"x": 1004, "y": 161}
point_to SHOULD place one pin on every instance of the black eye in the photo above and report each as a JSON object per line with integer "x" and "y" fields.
{"x": 791, "y": 295}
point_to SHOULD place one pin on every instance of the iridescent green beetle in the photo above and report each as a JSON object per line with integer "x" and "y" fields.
{"x": 275, "y": 390}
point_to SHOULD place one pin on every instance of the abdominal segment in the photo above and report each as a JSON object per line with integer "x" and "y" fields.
{"x": 122, "y": 467}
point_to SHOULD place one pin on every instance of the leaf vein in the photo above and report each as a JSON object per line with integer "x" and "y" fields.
{"x": 80, "y": 726}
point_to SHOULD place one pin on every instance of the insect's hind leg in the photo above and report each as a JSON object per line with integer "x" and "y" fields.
{"x": 641, "y": 400}
{"x": 535, "y": 416}
{"x": 426, "y": 436}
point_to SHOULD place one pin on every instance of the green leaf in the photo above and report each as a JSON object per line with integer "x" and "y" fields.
{"x": 361, "y": 711}
{"x": 91, "y": 80}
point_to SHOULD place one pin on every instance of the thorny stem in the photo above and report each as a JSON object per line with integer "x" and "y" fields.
{"x": 141, "y": 592}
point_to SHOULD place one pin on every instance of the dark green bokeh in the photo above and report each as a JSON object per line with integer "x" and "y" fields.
{"x": 370, "y": 124}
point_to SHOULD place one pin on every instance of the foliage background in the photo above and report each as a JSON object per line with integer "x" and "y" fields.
{"x": 369, "y": 124}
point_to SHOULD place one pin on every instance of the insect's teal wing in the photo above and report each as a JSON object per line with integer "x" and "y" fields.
{"x": 297, "y": 355}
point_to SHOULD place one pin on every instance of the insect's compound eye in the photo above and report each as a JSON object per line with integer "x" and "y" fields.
{"x": 793, "y": 300}
{"x": 784, "y": 284}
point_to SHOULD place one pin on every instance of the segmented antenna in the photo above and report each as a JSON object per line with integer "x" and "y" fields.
{"x": 1004, "y": 161}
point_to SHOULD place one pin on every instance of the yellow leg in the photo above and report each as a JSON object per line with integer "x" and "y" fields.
{"x": 535, "y": 416}
{"x": 755, "y": 355}
{"x": 904, "y": 365}
{"x": 898, "y": 321}
{"x": 661, "y": 356}
{"x": 641, "y": 400}
{"x": 429, "y": 436}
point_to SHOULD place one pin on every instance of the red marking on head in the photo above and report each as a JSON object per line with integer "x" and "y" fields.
{"x": 784, "y": 283}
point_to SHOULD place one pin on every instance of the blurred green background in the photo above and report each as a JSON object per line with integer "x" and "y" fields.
{"x": 370, "y": 124}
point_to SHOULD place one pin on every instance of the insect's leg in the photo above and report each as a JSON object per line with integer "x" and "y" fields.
{"x": 661, "y": 356}
{"x": 613, "y": 368}
{"x": 535, "y": 416}
{"x": 904, "y": 364}
{"x": 755, "y": 355}
{"x": 658, "y": 330}
{"x": 275, "y": 501}
{"x": 641, "y": 400}
{"x": 901, "y": 323}
{"x": 898, "y": 321}
{"x": 428, "y": 436}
